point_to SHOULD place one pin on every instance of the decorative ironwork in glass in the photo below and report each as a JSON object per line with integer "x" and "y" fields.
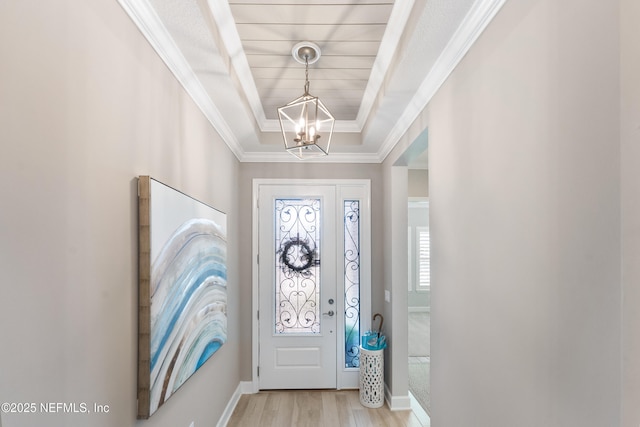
{"x": 297, "y": 284}
{"x": 352, "y": 282}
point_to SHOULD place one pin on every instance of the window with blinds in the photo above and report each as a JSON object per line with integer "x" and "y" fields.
{"x": 423, "y": 261}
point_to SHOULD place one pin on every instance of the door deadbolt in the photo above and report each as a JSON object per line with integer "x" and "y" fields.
{"x": 330, "y": 300}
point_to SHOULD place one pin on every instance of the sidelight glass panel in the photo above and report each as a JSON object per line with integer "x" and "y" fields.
{"x": 297, "y": 281}
{"x": 352, "y": 282}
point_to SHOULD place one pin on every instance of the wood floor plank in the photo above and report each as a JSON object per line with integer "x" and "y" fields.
{"x": 362, "y": 417}
{"x": 271, "y": 410}
{"x": 315, "y": 408}
{"x": 330, "y": 416}
{"x": 345, "y": 414}
{"x": 376, "y": 416}
{"x": 354, "y": 399}
{"x": 309, "y": 404}
{"x": 394, "y": 418}
{"x": 254, "y": 411}
{"x": 285, "y": 408}
{"x": 239, "y": 410}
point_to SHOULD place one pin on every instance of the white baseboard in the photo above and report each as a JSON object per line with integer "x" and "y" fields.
{"x": 244, "y": 387}
{"x": 397, "y": 403}
{"x": 419, "y": 412}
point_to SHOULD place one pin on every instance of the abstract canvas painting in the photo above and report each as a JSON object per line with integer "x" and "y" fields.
{"x": 183, "y": 290}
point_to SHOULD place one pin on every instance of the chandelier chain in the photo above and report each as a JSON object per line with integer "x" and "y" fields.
{"x": 306, "y": 75}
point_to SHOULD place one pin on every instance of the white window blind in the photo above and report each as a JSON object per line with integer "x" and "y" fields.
{"x": 423, "y": 265}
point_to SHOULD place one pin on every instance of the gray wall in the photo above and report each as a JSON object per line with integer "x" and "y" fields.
{"x": 251, "y": 171}
{"x": 525, "y": 207}
{"x": 418, "y": 183}
{"x": 630, "y": 165}
{"x": 395, "y": 222}
{"x": 86, "y": 106}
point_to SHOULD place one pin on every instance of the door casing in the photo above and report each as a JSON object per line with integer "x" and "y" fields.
{"x": 345, "y": 189}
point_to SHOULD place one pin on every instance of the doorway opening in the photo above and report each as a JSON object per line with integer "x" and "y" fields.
{"x": 419, "y": 276}
{"x": 419, "y": 301}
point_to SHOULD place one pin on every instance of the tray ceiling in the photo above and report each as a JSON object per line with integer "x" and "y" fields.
{"x": 381, "y": 62}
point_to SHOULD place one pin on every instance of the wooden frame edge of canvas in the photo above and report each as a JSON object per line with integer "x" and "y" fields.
{"x": 144, "y": 298}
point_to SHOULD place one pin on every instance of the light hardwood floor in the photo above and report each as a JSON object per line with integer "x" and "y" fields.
{"x": 322, "y": 408}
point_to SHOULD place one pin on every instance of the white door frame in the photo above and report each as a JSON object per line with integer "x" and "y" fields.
{"x": 346, "y": 189}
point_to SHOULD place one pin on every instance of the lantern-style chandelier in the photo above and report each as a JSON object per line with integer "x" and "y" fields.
{"x": 307, "y": 125}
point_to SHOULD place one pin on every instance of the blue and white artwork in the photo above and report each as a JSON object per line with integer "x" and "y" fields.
{"x": 188, "y": 288}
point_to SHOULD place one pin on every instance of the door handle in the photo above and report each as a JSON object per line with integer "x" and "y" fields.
{"x": 330, "y": 313}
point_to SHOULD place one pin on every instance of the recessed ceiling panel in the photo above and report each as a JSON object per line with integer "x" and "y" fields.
{"x": 348, "y": 34}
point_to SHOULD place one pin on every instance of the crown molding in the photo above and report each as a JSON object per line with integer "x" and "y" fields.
{"x": 222, "y": 15}
{"x": 470, "y": 29}
{"x": 388, "y": 46}
{"x": 150, "y": 25}
{"x": 284, "y": 157}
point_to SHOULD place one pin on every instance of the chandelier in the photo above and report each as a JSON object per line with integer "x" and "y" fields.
{"x": 306, "y": 124}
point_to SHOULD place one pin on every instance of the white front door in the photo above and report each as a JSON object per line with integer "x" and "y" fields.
{"x": 298, "y": 304}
